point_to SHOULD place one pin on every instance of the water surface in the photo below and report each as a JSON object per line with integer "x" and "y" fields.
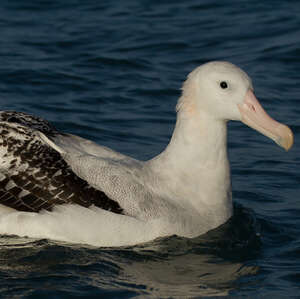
{"x": 111, "y": 71}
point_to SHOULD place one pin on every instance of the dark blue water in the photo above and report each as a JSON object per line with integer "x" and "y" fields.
{"x": 111, "y": 71}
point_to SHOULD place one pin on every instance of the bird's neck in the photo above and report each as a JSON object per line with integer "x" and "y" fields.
{"x": 194, "y": 166}
{"x": 197, "y": 141}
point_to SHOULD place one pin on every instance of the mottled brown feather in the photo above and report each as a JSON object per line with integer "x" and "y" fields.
{"x": 33, "y": 176}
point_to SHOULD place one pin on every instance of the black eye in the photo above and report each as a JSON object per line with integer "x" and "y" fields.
{"x": 223, "y": 84}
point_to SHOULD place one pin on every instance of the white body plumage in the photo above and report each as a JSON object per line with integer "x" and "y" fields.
{"x": 186, "y": 190}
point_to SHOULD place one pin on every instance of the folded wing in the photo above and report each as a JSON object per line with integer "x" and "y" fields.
{"x": 33, "y": 175}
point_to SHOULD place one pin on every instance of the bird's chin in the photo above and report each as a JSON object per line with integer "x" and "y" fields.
{"x": 254, "y": 116}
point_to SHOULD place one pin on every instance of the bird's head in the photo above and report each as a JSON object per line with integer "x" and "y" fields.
{"x": 224, "y": 92}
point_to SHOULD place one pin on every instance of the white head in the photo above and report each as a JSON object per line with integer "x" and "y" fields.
{"x": 224, "y": 92}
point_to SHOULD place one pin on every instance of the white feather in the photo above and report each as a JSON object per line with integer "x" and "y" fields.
{"x": 186, "y": 190}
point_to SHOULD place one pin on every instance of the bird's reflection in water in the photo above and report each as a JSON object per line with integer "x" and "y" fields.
{"x": 210, "y": 265}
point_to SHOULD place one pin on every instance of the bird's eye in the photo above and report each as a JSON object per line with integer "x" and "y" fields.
{"x": 223, "y": 84}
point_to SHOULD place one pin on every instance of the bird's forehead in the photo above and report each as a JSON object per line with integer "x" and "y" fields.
{"x": 222, "y": 69}
{"x": 206, "y": 75}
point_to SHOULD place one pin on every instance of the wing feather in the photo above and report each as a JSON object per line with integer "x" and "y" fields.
{"x": 33, "y": 175}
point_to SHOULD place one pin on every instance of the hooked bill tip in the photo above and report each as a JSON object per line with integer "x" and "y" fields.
{"x": 286, "y": 139}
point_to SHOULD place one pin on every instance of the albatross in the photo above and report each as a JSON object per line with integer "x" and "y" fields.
{"x": 63, "y": 187}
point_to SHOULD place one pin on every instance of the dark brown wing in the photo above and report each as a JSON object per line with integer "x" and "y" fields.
{"x": 34, "y": 176}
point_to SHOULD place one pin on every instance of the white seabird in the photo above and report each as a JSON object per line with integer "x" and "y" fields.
{"x": 63, "y": 187}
